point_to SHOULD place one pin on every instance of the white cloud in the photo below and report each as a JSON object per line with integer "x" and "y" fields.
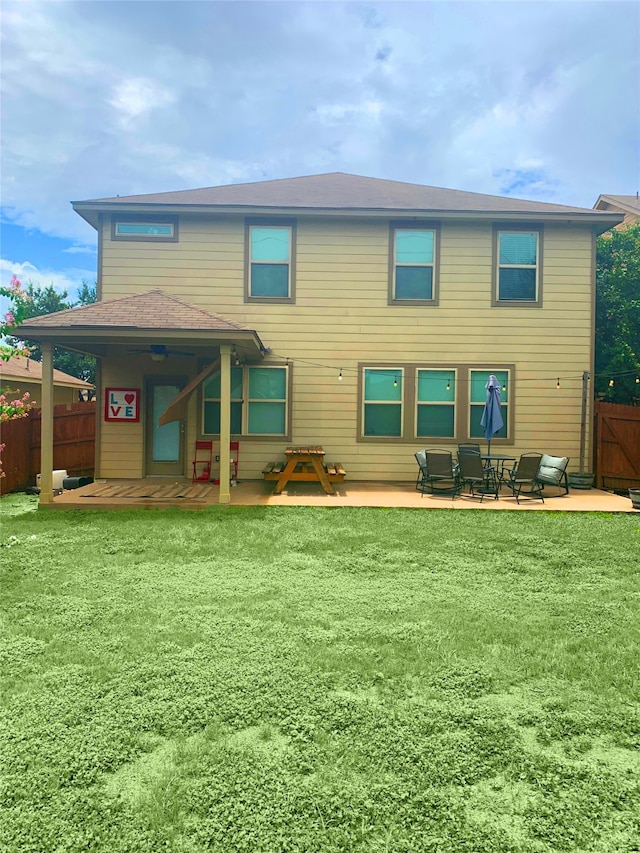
{"x": 62, "y": 280}
{"x": 101, "y": 99}
{"x": 136, "y": 97}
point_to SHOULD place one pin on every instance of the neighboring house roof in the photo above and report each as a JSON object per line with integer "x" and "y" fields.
{"x": 628, "y": 204}
{"x": 337, "y": 191}
{"x": 20, "y": 368}
{"x": 144, "y": 311}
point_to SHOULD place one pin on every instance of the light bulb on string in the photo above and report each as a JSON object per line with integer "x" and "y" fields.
{"x": 637, "y": 380}
{"x": 448, "y": 384}
{"x": 611, "y": 383}
{"x": 340, "y": 375}
{"x": 504, "y": 387}
{"x": 558, "y": 383}
{"x": 395, "y": 381}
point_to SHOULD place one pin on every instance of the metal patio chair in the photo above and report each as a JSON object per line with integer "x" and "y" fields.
{"x": 442, "y": 473}
{"x": 481, "y": 481}
{"x": 523, "y": 479}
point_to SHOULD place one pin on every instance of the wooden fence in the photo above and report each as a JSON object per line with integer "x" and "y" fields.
{"x": 617, "y": 446}
{"x": 74, "y": 436}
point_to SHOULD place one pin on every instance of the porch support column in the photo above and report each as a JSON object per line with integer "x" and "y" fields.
{"x": 46, "y": 426}
{"x": 225, "y": 422}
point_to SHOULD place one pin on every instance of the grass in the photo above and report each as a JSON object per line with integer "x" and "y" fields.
{"x": 300, "y": 679}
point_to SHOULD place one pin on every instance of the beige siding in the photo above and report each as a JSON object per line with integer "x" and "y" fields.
{"x": 61, "y": 394}
{"x": 341, "y": 318}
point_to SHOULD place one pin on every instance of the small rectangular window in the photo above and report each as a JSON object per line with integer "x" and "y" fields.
{"x": 436, "y": 394}
{"x": 518, "y": 266}
{"x": 163, "y": 229}
{"x": 270, "y": 261}
{"x": 478, "y": 397}
{"x": 413, "y": 264}
{"x": 382, "y": 402}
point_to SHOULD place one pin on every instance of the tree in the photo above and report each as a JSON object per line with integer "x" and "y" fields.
{"x": 618, "y": 316}
{"x": 36, "y": 301}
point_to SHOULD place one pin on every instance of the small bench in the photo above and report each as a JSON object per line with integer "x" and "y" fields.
{"x": 304, "y": 472}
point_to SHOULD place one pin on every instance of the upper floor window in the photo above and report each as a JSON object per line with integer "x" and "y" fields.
{"x": 269, "y": 261}
{"x": 413, "y": 264}
{"x": 518, "y": 266}
{"x": 154, "y": 229}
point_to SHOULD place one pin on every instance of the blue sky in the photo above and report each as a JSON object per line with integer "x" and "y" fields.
{"x": 538, "y": 100}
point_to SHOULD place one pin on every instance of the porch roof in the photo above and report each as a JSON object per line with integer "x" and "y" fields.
{"x": 150, "y": 317}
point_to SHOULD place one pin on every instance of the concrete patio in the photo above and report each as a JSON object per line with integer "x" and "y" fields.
{"x": 162, "y": 492}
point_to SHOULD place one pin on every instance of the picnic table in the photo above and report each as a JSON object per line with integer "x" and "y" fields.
{"x": 304, "y": 464}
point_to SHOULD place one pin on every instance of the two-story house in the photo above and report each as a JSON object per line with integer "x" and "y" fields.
{"x": 361, "y": 314}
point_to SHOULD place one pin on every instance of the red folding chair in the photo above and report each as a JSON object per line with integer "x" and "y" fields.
{"x": 234, "y": 447}
{"x": 202, "y": 460}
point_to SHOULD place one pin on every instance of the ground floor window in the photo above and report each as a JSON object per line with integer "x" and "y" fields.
{"x": 478, "y": 394}
{"x": 382, "y": 403}
{"x": 418, "y": 402}
{"x": 259, "y": 401}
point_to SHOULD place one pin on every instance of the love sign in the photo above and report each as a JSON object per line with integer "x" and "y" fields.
{"x": 122, "y": 404}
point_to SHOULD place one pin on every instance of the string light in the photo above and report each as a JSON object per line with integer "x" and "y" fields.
{"x": 448, "y": 384}
{"x": 558, "y": 383}
{"x": 395, "y": 381}
{"x": 340, "y": 375}
{"x": 504, "y": 385}
{"x": 637, "y": 380}
{"x": 611, "y": 383}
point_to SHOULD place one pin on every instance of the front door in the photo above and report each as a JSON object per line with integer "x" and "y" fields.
{"x": 164, "y": 445}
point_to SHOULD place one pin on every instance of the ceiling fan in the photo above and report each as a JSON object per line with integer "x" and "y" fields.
{"x": 159, "y": 352}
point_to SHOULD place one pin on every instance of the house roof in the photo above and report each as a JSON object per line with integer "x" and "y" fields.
{"x": 335, "y": 192}
{"x": 20, "y": 368}
{"x": 152, "y": 310}
{"x": 150, "y": 317}
{"x": 626, "y": 203}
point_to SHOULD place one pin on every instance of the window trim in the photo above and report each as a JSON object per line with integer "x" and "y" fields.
{"x": 414, "y": 225}
{"x": 462, "y": 404}
{"x": 244, "y": 401}
{"x": 270, "y": 222}
{"x": 133, "y": 218}
{"x": 508, "y": 228}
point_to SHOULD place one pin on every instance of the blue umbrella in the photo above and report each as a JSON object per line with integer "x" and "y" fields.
{"x": 491, "y": 419}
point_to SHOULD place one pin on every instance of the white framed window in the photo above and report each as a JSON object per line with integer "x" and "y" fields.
{"x": 478, "y": 397}
{"x": 382, "y": 401}
{"x": 518, "y": 266}
{"x": 152, "y": 229}
{"x": 435, "y": 403}
{"x": 259, "y": 401}
{"x": 270, "y": 261}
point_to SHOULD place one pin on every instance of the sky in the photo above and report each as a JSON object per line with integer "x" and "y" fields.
{"x": 536, "y": 100}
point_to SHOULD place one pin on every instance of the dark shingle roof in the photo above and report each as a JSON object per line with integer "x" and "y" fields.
{"x": 339, "y": 191}
{"x": 153, "y": 310}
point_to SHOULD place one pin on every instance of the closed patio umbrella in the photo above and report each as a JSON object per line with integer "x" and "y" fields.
{"x": 491, "y": 420}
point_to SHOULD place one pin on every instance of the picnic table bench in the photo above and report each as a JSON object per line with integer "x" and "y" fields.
{"x": 304, "y": 464}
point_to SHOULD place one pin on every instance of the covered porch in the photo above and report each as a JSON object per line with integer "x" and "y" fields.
{"x": 162, "y": 349}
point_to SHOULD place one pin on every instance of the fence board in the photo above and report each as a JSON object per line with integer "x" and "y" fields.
{"x": 74, "y": 435}
{"x": 617, "y": 431}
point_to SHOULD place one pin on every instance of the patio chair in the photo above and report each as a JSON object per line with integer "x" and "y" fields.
{"x": 234, "y": 447}
{"x": 202, "y": 459}
{"x": 421, "y": 480}
{"x": 553, "y": 472}
{"x": 468, "y": 447}
{"x": 522, "y": 480}
{"x": 442, "y": 473}
{"x": 481, "y": 481}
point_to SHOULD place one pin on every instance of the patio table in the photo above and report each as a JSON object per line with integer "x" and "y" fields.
{"x": 500, "y": 461}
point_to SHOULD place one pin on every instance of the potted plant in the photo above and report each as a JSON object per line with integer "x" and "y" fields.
{"x": 581, "y": 479}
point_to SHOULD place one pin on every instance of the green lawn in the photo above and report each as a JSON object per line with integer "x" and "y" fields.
{"x": 301, "y": 679}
